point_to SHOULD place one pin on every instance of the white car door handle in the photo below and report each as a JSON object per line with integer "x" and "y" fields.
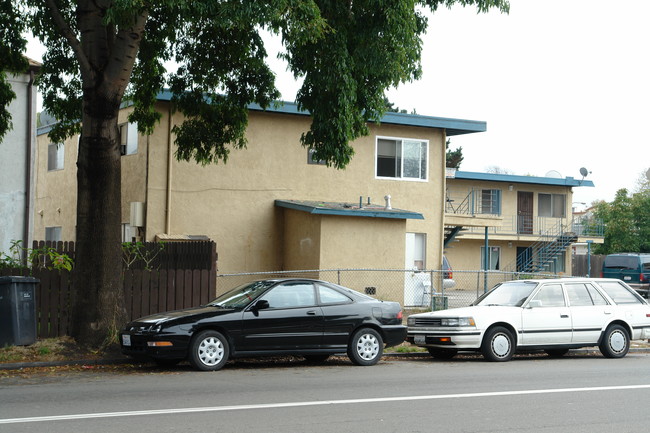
{"x": 564, "y": 316}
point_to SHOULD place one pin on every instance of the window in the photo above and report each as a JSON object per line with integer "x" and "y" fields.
{"x": 550, "y": 295}
{"x": 416, "y": 251}
{"x": 551, "y": 205}
{"x": 311, "y": 160}
{"x": 495, "y": 254}
{"x": 330, "y": 296}
{"x": 578, "y": 295}
{"x": 291, "y": 295}
{"x": 127, "y": 233}
{"x": 53, "y": 234}
{"x": 128, "y": 138}
{"x": 491, "y": 201}
{"x": 402, "y": 158}
{"x": 619, "y": 293}
{"x": 55, "y": 156}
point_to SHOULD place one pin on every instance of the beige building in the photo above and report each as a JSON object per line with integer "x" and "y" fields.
{"x": 271, "y": 207}
{"x": 531, "y": 228}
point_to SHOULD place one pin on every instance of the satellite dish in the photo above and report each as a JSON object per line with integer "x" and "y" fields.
{"x": 554, "y": 174}
{"x": 584, "y": 172}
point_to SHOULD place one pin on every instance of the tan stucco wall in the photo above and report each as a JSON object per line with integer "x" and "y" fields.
{"x": 55, "y": 204}
{"x": 302, "y": 240}
{"x": 233, "y": 203}
{"x": 375, "y": 243}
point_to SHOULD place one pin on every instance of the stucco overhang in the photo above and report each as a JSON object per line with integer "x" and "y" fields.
{"x": 348, "y": 209}
{"x": 511, "y": 178}
{"x": 473, "y": 220}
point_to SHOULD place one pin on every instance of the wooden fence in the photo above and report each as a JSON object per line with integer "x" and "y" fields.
{"x": 145, "y": 291}
{"x": 581, "y": 265}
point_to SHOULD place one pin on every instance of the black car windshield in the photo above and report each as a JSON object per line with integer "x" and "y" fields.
{"x": 508, "y": 294}
{"x": 241, "y": 296}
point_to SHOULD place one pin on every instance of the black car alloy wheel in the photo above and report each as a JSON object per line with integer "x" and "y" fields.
{"x": 209, "y": 351}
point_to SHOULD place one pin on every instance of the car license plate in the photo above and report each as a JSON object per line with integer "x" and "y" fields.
{"x": 126, "y": 340}
{"x": 627, "y": 278}
{"x": 420, "y": 339}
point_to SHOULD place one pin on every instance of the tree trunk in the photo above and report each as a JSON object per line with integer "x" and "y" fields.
{"x": 98, "y": 310}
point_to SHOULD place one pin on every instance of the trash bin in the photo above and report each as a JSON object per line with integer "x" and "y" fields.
{"x": 17, "y": 311}
{"x": 439, "y": 302}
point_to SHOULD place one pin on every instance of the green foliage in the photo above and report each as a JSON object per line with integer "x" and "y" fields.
{"x": 35, "y": 258}
{"x": 454, "y": 157}
{"x": 132, "y": 252}
{"x": 627, "y": 223}
{"x": 12, "y": 46}
{"x": 348, "y": 53}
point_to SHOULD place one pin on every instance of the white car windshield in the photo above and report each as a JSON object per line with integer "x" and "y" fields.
{"x": 507, "y": 294}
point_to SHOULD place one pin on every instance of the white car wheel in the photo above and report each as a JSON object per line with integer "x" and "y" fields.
{"x": 498, "y": 344}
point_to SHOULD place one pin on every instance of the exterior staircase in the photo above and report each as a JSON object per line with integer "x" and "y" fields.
{"x": 539, "y": 256}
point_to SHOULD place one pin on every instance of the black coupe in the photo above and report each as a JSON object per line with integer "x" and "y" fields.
{"x": 305, "y": 317}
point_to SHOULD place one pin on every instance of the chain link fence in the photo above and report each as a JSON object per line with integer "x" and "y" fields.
{"x": 415, "y": 290}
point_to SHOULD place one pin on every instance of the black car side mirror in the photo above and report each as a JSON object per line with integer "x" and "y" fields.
{"x": 260, "y": 305}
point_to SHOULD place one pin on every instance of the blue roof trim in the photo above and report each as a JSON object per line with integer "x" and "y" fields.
{"x": 344, "y": 209}
{"x": 452, "y": 126}
{"x": 511, "y": 178}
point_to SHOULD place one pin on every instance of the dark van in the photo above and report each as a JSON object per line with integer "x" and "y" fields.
{"x": 632, "y": 268}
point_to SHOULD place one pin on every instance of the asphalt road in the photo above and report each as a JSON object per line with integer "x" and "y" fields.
{"x": 578, "y": 393}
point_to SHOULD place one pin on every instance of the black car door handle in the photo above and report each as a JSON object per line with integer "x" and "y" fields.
{"x": 311, "y": 313}
{"x": 564, "y": 316}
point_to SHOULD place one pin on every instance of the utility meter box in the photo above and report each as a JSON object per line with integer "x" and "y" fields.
{"x": 17, "y": 311}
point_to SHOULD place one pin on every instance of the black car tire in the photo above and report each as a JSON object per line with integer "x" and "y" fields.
{"x": 366, "y": 347}
{"x": 498, "y": 344}
{"x": 615, "y": 342}
{"x": 209, "y": 351}
{"x": 442, "y": 353}
{"x": 556, "y": 353}
{"x": 316, "y": 359}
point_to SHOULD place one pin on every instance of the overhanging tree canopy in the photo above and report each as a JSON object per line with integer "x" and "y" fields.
{"x": 101, "y": 52}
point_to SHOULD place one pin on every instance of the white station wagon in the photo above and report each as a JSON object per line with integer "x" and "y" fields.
{"x": 553, "y": 315}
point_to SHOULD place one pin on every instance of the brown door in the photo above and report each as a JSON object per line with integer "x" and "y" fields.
{"x": 524, "y": 212}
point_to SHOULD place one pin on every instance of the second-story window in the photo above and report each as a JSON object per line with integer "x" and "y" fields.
{"x": 491, "y": 201}
{"x": 55, "y": 156}
{"x": 128, "y": 138}
{"x": 551, "y": 205}
{"x": 402, "y": 158}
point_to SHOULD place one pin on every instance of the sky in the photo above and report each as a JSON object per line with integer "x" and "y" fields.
{"x": 562, "y": 84}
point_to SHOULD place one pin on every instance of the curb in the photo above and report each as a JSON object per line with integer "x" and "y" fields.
{"x": 118, "y": 361}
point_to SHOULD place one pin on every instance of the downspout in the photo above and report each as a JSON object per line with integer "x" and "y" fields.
{"x": 168, "y": 201}
{"x": 28, "y": 159}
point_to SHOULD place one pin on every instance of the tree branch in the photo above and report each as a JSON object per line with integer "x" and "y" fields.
{"x": 84, "y": 65}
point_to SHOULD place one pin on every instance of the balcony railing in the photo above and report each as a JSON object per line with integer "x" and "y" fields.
{"x": 475, "y": 202}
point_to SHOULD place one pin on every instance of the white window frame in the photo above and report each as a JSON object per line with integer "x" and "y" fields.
{"x": 55, "y": 156}
{"x": 128, "y": 138}
{"x": 416, "y": 244}
{"x": 495, "y": 258}
{"x": 53, "y": 233}
{"x": 424, "y": 151}
{"x": 555, "y": 209}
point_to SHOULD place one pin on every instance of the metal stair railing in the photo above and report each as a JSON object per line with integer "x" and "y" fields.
{"x": 543, "y": 252}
